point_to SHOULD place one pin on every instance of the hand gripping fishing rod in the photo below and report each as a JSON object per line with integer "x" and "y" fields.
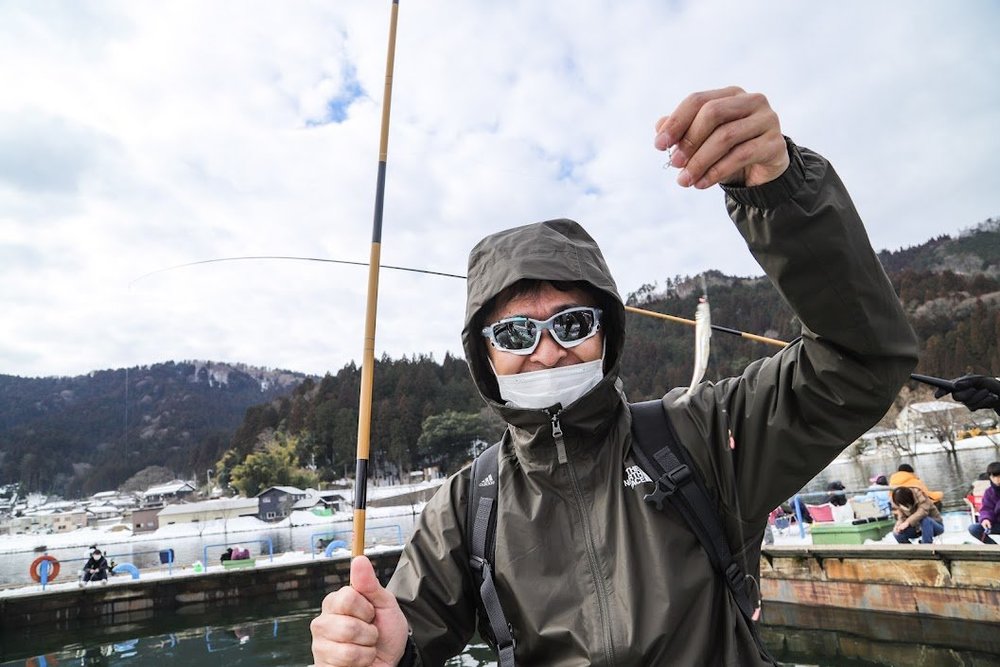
{"x": 368, "y": 359}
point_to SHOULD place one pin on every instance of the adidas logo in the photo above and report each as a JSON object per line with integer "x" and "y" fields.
{"x": 489, "y": 481}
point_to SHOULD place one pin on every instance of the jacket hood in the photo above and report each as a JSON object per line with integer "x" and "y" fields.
{"x": 554, "y": 250}
{"x": 903, "y": 478}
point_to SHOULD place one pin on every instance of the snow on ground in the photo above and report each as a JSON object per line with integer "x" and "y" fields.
{"x": 106, "y": 536}
{"x": 923, "y": 447}
{"x": 375, "y": 492}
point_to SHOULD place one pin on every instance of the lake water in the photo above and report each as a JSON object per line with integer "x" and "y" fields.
{"x": 278, "y": 635}
{"x": 942, "y": 472}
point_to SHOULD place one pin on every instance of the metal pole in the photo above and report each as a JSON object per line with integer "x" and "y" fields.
{"x": 368, "y": 360}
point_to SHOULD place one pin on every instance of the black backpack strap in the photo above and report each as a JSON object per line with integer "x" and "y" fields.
{"x": 659, "y": 453}
{"x": 481, "y": 538}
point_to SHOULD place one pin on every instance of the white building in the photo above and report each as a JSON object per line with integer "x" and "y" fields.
{"x": 922, "y": 420}
{"x": 207, "y": 510}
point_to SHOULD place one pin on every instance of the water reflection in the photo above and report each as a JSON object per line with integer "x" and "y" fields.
{"x": 940, "y": 471}
{"x": 283, "y": 640}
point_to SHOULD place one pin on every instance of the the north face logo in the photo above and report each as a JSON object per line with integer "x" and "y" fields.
{"x": 489, "y": 481}
{"x": 634, "y": 476}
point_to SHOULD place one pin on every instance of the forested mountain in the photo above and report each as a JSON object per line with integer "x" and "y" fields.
{"x": 79, "y": 435}
{"x": 426, "y": 413}
{"x": 68, "y": 434}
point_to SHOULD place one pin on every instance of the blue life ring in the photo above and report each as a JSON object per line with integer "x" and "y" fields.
{"x": 126, "y": 567}
{"x": 336, "y": 544}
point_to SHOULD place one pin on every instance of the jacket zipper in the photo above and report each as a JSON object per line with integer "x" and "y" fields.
{"x": 595, "y": 570}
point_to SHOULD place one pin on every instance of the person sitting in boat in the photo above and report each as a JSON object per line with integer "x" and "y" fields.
{"x": 96, "y": 568}
{"x": 990, "y": 508}
{"x": 916, "y": 515}
{"x": 905, "y": 476}
{"x": 226, "y": 555}
{"x": 975, "y": 392}
{"x": 239, "y": 553}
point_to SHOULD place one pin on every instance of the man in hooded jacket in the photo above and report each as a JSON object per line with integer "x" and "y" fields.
{"x": 588, "y": 573}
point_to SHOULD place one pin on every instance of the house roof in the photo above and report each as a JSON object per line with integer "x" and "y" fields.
{"x": 167, "y": 489}
{"x": 221, "y": 504}
{"x": 290, "y": 490}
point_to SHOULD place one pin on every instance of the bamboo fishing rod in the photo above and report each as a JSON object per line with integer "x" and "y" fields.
{"x": 715, "y": 327}
{"x": 368, "y": 358}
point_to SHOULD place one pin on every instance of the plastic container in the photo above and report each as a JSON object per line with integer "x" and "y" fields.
{"x": 846, "y": 533}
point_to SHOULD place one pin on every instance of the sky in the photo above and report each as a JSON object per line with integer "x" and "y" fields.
{"x": 137, "y": 136}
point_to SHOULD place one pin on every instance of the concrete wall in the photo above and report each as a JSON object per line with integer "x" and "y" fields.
{"x": 957, "y": 582}
{"x": 134, "y": 601}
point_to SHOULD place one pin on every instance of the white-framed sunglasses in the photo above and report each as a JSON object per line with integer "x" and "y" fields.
{"x": 520, "y": 335}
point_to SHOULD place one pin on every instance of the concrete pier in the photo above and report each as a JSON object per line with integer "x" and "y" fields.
{"x": 132, "y": 601}
{"x": 959, "y": 581}
{"x": 917, "y": 602}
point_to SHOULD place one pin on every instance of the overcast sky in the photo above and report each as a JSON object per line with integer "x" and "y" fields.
{"x": 136, "y": 136}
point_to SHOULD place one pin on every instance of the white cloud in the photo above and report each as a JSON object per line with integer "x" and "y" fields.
{"x": 136, "y": 136}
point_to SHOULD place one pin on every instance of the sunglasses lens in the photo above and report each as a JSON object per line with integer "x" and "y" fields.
{"x": 515, "y": 334}
{"x": 573, "y": 326}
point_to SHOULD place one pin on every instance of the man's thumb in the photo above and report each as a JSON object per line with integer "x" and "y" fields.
{"x": 364, "y": 581}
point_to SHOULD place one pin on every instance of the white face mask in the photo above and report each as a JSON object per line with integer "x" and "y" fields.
{"x": 540, "y": 389}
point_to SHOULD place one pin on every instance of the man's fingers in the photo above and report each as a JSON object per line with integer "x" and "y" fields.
{"x": 670, "y": 129}
{"x": 729, "y": 149}
{"x": 344, "y": 629}
{"x": 349, "y": 602}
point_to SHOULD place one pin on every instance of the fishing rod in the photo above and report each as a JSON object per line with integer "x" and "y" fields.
{"x": 368, "y": 359}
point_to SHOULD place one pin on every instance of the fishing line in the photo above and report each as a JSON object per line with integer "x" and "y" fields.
{"x": 924, "y": 379}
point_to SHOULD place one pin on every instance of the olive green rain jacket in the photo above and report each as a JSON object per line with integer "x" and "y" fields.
{"x": 588, "y": 573}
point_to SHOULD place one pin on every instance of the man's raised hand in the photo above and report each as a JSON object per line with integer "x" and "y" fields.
{"x": 723, "y": 136}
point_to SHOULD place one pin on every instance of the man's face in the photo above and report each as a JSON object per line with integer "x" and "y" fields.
{"x": 541, "y": 305}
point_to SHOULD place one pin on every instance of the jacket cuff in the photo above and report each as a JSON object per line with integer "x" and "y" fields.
{"x": 409, "y": 658}
{"x": 774, "y": 192}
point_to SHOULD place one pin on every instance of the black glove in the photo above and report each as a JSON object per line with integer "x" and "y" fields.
{"x": 975, "y": 391}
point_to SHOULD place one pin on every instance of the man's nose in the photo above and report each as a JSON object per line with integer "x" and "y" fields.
{"x": 548, "y": 352}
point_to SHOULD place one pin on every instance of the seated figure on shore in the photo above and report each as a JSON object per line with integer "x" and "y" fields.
{"x": 990, "y": 508}
{"x": 905, "y": 476}
{"x": 95, "y": 569}
{"x": 879, "y": 492}
{"x": 916, "y": 516}
{"x": 836, "y": 495}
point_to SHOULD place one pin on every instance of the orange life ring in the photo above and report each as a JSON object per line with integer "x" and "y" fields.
{"x": 49, "y": 660}
{"x": 53, "y": 564}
